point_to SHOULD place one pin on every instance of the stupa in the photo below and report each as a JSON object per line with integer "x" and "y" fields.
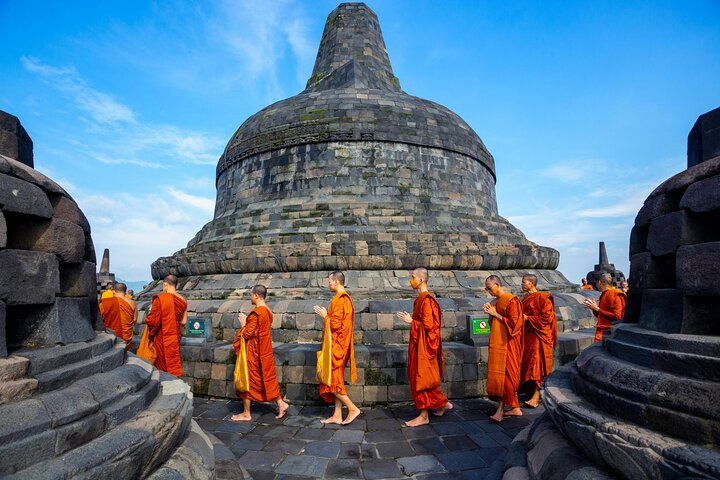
{"x": 355, "y": 174}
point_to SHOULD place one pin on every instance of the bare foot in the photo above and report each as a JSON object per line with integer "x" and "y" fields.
{"x": 441, "y": 411}
{"x": 241, "y": 417}
{"x": 332, "y": 419}
{"x": 352, "y": 415}
{"x": 513, "y": 412}
{"x": 282, "y": 410}
{"x": 532, "y": 404}
{"x": 417, "y": 421}
{"x": 497, "y": 418}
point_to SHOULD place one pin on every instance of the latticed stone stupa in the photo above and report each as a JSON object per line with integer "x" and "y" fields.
{"x": 355, "y": 174}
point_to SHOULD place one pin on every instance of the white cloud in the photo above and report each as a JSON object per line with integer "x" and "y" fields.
{"x": 101, "y": 106}
{"x": 572, "y": 171}
{"x": 201, "y": 203}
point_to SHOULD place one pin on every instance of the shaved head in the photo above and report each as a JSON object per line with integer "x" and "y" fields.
{"x": 493, "y": 280}
{"x": 171, "y": 280}
{"x": 605, "y": 278}
{"x": 120, "y": 287}
{"x": 421, "y": 273}
{"x": 259, "y": 290}
{"x": 339, "y": 277}
{"x": 530, "y": 278}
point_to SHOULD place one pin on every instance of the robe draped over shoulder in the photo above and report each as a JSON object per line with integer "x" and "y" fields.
{"x": 260, "y": 359}
{"x": 539, "y": 337}
{"x": 164, "y": 321}
{"x": 340, "y": 320}
{"x": 505, "y": 352}
{"x": 425, "y": 329}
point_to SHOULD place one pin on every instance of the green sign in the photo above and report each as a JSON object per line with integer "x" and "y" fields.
{"x": 196, "y": 326}
{"x": 480, "y": 326}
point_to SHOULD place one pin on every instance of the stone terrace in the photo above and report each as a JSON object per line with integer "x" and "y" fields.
{"x": 463, "y": 444}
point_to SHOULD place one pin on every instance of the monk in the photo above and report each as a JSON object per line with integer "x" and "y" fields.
{"x": 108, "y": 291}
{"x": 168, "y": 314}
{"x": 119, "y": 314}
{"x": 426, "y": 364}
{"x": 130, "y": 293}
{"x": 611, "y": 307}
{"x": 585, "y": 285}
{"x": 340, "y": 319}
{"x": 255, "y": 329}
{"x": 539, "y": 338}
{"x": 505, "y": 353}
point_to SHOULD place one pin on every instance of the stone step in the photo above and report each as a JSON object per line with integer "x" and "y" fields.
{"x": 16, "y": 390}
{"x": 13, "y": 368}
{"x": 570, "y": 344}
{"x": 69, "y": 373}
{"x": 58, "y": 421}
{"x": 132, "y": 449}
{"x": 622, "y": 447}
{"x": 688, "y": 365}
{"x": 52, "y": 358}
{"x": 194, "y": 458}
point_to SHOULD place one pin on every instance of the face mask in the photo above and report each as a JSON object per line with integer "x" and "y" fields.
{"x": 414, "y": 283}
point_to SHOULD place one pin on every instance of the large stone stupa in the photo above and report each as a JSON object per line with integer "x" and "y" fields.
{"x": 355, "y": 174}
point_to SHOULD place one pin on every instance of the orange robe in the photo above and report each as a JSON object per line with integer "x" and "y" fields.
{"x": 539, "y": 337}
{"x": 260, "y": 359}
{"x": 612, "y": 308}
{"x": 587, "y": 287}
{"x": 119, "y": 316}
{"x": 425, "y": 328}
{"x": 164, "y": 321}
{"x": 505, "y": 353}
{"x": 340, "y": 317}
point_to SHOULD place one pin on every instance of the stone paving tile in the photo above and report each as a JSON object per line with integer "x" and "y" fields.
{"x": 343, "y": 468}
{"x": 322, "y": 449}
{"x": 463, "y": 443}
{"x": 303, "y": 465}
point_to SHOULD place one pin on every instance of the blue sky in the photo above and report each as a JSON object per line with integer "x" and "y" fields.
{"x": 585, "y": 106}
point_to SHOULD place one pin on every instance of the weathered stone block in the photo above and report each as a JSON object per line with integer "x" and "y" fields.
{"x": 669, "y": 231}
{"x": 217, "y": 388}
{"x": 697, "y": 269}
{"x": 662, "y": 310}
{"x": 18, "y": 196}
{"x": 218, "y": 371}
{"x": 703, "y": 196}
{"x": 704, "y": 138}
{"x": 638, "y": 240}
{"x": 77, "y": 279}
{"x": 385, "y": 321}
{"x": 3, "y": 231}
{"x": 79, "y": 433}
{"x": 3, "y": 340}
{"x": 375, "y": 393}
{"x": 64, "y": 239}
{"x": 701, "y": 316}
{"x": 296, "y": 391}
{"x": 65, "y": 208}
{"x": 28, "y": 277}
{"x": 14, "y": 140}
{"x": 655, "y": 207}
{"x": 293, "y": 373}
{"x": 65, "y": 321}
{"x": 202, "y": 370}
{"x": 648, "y": 271}
{"x": 399, "y": 393}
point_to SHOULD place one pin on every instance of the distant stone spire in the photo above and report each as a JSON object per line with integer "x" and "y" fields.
{"x": 105, "y": 265}
{"x": 352, "y": 52}
{"x": 604, "y": 266}
{"x": 603, "y": 258}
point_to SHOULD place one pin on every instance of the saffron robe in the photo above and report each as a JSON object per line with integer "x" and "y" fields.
{"x": 425, "y": 328}
{"x": 539, "y": 337}
{"x": 164, "y": 321}
{"x": 612, "y": 308}
{"x": 340, "y": 320}
{"x": 260, "y": 359}
{"x": 119, "y": 316}
{"x": 505, "y": 352}
{"x": 587, "y": 287}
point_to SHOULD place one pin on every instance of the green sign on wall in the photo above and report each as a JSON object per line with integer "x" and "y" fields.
{"x": 196, "y": 327}
{"x": 480, "y": 326}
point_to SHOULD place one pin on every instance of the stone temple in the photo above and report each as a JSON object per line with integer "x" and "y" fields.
{"x": 354, "y": 174}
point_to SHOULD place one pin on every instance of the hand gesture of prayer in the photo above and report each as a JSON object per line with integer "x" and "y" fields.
{"x": 591, "y": 304}
{"x": 405, "y": 317}
{"x": 320, "y": 311}
{"x": 242, "y": 318}
{"x": 489, "y": 308}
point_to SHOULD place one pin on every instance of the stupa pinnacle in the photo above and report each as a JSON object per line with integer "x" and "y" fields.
{"x": 353, "y": 173}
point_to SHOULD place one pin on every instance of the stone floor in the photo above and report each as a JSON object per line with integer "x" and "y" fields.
{"x": 463, "y": 444}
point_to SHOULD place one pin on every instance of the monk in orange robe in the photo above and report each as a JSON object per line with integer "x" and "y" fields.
{"x": 539, "y": 338}
{"x": 426, "y": 363}
{"x": 340, "y": 319}
{"x": 119, "y": 314}
{"x": 168, "y": 314}
{"x": 611, "y": 307}
{"x": 585, "y": 285}
{"x": 505, "y": 353}
{"x": 255, "y": 329}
